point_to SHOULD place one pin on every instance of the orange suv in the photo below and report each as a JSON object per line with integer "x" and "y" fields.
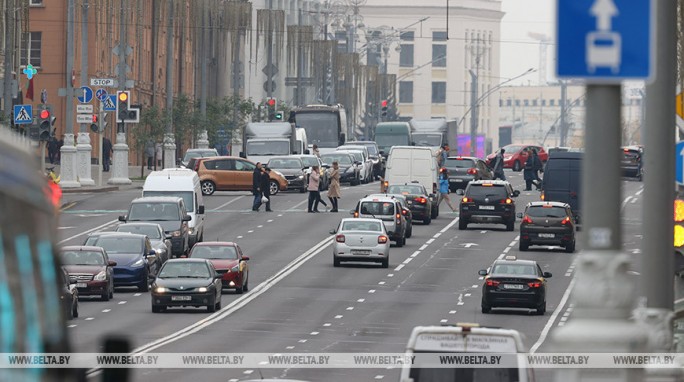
{"x": 233, "y": 174}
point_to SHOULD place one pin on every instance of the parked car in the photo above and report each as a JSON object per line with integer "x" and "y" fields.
{"x": 463, "y": 170}
{"x": 292, "y": 169}
{"x": 160, "y": 243}
{"x": 68, "y": 295}
{"x": 350, "y": 170}
{"x": 197, "y": 153}
{"x": 417, "y": 199}
{"x": 186, "y": 282}
{"x": 547, "y": 223}
{"x": 363, "y": 240}
{"x": 388, "y": 210}
{"x": 233, "y": 174}
{"x": 514, "y": 283}
{"x": 229, "y": 262}
{"x": 516, "y": 155}
{"x": 90, "y": 269}
{"x": 487, "y": 201}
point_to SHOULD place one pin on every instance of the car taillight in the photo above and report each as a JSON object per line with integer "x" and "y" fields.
{"x": 382, "y": 239}
{"x": 507, "y": 201}
{"x": 472, "y": 171}
{"x": 405, "y": 212}
{"x": 492, "y": 283}
{"x": 356, "y": 214}
{"x": 566, "y": 220}
{"x": 527, "y": 220}
{"x": 466, "y": 199}
{"x": 535, "y": 284}
{"x": 542, "y": 196}
{"x": 421, "y": 200}
{"x": 339, "y": 238}
{"x": 398, "y": 216}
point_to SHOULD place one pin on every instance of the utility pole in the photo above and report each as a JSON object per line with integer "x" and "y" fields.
{"x": 120, "y": 148}
{"x": 169, "y": 140}
{"x": 269, "y": 55}
{"x": 68, "y": 170}
{"x": 84, "y": 148}
{"x": 474, "y": 113}
{"x": 203, "y": 141}
{"x": 300, "y": 58}
{"x": 563, "y": 111}
{"x": 9, "y": 60}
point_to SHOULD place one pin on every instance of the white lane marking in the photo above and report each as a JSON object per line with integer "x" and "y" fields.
{"x": 72, "y": 326}
{"x": 460, "y": 299}
{"x": 513, "y": 243}
{"x": 227, "y": 203}
{"x": 553, "y": 317}
{"x": 371, "y": 291}
{"x": 250, "y": 231}
{"x": 430, "y": 241}
{"x": 137, "y": 295}
{"x": 408, "y": 260}
{"x": 248, "y": 372}
{"x": 90, "y": 318}
{"x": 481, "y": 278}
{"x": 327, "y": 324}
{"x": 381, "y": 283}
{"x": 240, "y": 237}
{"x": 414, "y": 254}
{"x": 260, "y": 226}
{"x": 639, "y": 192}
{"x": 89, "y": 231}
{"x": 452, "y": 312}
{"x": 288, "y": 348}
{"x": 468, "y": 294}
{"x": 507, "y": 249}
{"x": 314, "y": 333}
{"x": 297, "y": 205}
{"x": 302, "y": 341}
{"x": 361, "y": 300}
{"x": 444, "y": 321}
{"x": 501, "y": 256}
{"x": 379, "y": 376}
{"x": 624, "y": 202}
{"x": 483, "y": 231}
{"x": 423, "y": 247}
{"x": 398, "y": 268}
{"x": 438, "y": 234}
{"x": 65, "y": 227}
{"x": 634, "y": 200}
{"x": 106, "y": 310}
{"x": 279, "y": 215}
{"x": 122, "y": 302}
{"x": 390, "y": 275}
{"x": 339, "y": 316}
{"x": 350, "y": 308}
{"x": 269, "y": 221}
{"x": 475, "y": 286}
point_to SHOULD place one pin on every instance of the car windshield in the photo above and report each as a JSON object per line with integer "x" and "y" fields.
{"x": 377, "y": 208}
{"x": 268, "y": 147}
{"x": 186, "y": 195}
{"x": 459, "y": 163}
{"x": 358, "y": 155}
{"x": 487, "y": 191}
{"x": 341, "y": 159}
{"x": 427, "y": 139}
{"x": 512, "y": 149}
{"x": 115, "y": 245}
{"x": 285, "y": 163}
{"x": 150, "y": 231}
{"x": 372, "y": 148}
{"x": 198, "y": 154}
{"x": 360, "y": 225}
{"x": 222, "y": 252}
{"x": 546, "y": 212}
{"x": 185, "y": 269}
{"x": 406, "y": 190}
{"x": 82, "y": 258}
{"x": 322, "y": 128}
{"x": 154, "y": 212}
{"x": 310, "y": 162}
{"x": 514, "y": 269}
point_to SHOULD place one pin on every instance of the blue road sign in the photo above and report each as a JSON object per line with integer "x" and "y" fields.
{"x": 101, "y": 94}
{"x": 605, "y": 40}
{"x": 679, "y": 162}
{"x": 85, "y": 94}
{"x": 23, "y": 114}
{"x": 109, "y": 103}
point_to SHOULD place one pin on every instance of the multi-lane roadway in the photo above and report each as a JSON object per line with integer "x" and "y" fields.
{"x": 298, "y": 302}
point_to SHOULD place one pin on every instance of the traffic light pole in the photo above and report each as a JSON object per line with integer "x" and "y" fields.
{"x": 169, "y": 140}
{"x": 83, "y": 148}
{"x": 68, "y": 166}
{"x": 120, "y": 158}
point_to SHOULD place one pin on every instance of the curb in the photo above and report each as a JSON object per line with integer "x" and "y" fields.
{"x": 79, "y": 190}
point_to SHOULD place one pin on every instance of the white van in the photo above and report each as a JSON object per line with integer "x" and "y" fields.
{"x": 302, "y": 141}
{"x": 407, "y": 164}
{"x": 429, "y": 341}
{"x": 184, "y": 183}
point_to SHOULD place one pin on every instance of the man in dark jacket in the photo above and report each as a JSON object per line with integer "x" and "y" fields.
{"x": 266, "y": 187}
{"x": 536, "y": 167}
{"x": 499, "y": 165}
{"x": 528, "y": 172}
{"x": 256, "y": 187}
{"x": 106, "y": 153}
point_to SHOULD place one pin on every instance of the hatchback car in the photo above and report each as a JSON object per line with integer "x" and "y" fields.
{"x": 160, "y": 243}
{"x": 547, "y": 223}
{"x": 186, "y": 282}
{"x": 229, "y": 262}
{"x": 631, "y": 162}
{"x": 90, "y": 269}
{"x": 233, "y": 174}
{"x": 516, "y": 155}
{"x": 363, "y": 240}
{"x": 386, "y": 209}
{"x": 463, "y": 170}
{"x": 293, "y": 171}
{"x": 514, "y": 283}
{"x": 488, "y": 202}
{"x": 417, "y": 199}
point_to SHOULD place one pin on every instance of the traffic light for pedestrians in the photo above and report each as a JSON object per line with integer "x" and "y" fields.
{"x": 44, "y": 125}
{"x": 384, "y": 107}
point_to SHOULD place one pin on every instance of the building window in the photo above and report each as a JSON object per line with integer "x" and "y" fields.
{"x": 552, "y": 102}
{"x": 517, "y": 102}
{"x": 543, "y": 102}
{"x": 405, "y": 91}
{"x": 439, "y": 36}
{"x": 439, "y": 55}
{"x": 30, "y": 51}
{"x": 406, "y": 56}
{"x": 407, "y": 36}
{"x": 526, "y": 102}
{"x": 36, "y": 3}
{"x": 341, "y": 37}
{"x": 534, "y": 102}
{"x": 439, "y": 92}
{"x": 508, "y": 102}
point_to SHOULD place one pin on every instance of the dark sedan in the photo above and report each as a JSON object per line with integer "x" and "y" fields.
{"x": 514, "y": 283}
{"x": 463, "y": 170}
{"x": 292, "y": 169}
{"x": 90, "y": 270}
{"x": 417, "y": 199}
{"x": 186, "y": 282}
{"x": 350, "y": 170}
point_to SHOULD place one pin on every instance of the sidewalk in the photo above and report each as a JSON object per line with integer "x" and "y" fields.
{"x": 133, "y": 175}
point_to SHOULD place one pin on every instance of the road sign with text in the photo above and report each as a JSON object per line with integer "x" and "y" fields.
{"x": 103, "y": 82}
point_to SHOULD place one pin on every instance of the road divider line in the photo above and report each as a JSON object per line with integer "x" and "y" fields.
{"x": 398, "y": 268}
{"x": 226, "y": 203}
{"x": 552, "y": 319}
{"x": 88, "y": 231}
{"x": 298, "y": 204}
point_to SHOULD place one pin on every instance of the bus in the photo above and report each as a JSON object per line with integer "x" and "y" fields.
{"x": 325, "y": 125}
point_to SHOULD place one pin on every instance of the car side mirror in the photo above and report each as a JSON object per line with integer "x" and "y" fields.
{"x": 307, "y": 152}
{"x": 343, "y": 138}
{"x": 516, "y": 193}
{"x": 382, "y": 152}
{"x": 187, "y": 218}
{"x": 111, "y": 263}
{"x": 351, "y": 212}
{"x": 200, "y": 210}
{"x": 169, "y": 237}
{"x": 333, "y": 231}
{"x": 122, "y": 218}
{"x": 460, "y": 192}
{"x": 519, "y": 215}
{"x": 245, "y": 258}
{"x": 357, "y": 163}
{"x": 547, "y": 275}
{"x": 482, "y": 272}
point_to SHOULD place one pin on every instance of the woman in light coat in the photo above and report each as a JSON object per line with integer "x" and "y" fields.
{"x": 334, "y": 188}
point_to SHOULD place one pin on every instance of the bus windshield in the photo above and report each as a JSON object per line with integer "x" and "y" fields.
{"x": 322, "y": 129}
{"x": 389, "y": 140}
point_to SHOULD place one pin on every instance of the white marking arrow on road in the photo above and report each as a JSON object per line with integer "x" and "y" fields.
{"x": 604, "y": 11}
{"x": 468, "y": 245}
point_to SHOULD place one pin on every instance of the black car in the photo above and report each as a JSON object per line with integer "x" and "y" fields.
{"x": 547, "y": 223}
{"x": 463, "y": 170}
{"x": 562, "y": 180}
{"x": 487, "y": 201}
{"x": 292, "y": 169}
{"x": 512, "y": 283}
{"x": 417, "y": 199}
{"x": 631, "y": 162}
{"x": 68, "y": 295}
{"x": 186, "y": 282}
{"x": 350, "y": 169}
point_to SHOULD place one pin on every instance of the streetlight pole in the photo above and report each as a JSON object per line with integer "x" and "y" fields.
{"x": 474, "y": 117}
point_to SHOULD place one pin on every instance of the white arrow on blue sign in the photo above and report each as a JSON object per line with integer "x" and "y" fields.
{"x": 605, "y": 41}
{"x": 679, "y": 162}
{"x": 86, "y": 94}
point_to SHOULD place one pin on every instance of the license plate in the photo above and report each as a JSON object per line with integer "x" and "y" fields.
{"x": 360, "y": 252}
{"x": 512, "y": 286}
{"x": 547, "y": 235}
{"x": 81, "y": 285}
{"x": 181, "y": 298}
{"x": 486, "y": 207}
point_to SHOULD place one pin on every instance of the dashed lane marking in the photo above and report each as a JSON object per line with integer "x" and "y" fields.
{"x": 302, "y": 341}
{"x": 327, "y": 324}
{"x": 381, "y": 283}
{"x": 361, "y": 300}
{"x": 452, "y": 312}
{"x": 122, "y": 302}
{"x": 350, "y": 308}
{"x": 314, "y": 333}
{"x": 399, "y": 267}
{"x": 106, "y": 310}
{"x": 90, "y": 318}
{"x": 137, "y": 295}
{"x": 371, "y": 291}
{"x": 339, "y": 316}
{"x": 72, "y": 326}
{"x": 422, "y": 248}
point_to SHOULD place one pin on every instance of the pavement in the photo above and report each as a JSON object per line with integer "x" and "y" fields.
{"x": 133, "y": 174}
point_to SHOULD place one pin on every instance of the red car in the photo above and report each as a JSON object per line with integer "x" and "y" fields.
{"x": 228, "y": 261}
{"x": 516, "y": 155}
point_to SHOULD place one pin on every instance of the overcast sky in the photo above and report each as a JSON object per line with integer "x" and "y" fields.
{"x": 519, "y": 51}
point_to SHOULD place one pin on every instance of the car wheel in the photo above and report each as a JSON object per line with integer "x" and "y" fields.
{"x": 409, "y": 232}
{"x": 144, "y": 285}
{"x": 273, "y": 187}
{"x": 510, "y": 226}
{"x": 541, "y": 309}
{"x": 570, "y": 248}
{"x": 208, "y": 187}
{"x": 105, "y": 296}
{"x": 211, "y": 308}
{"x": 385, "y": 263}
{"x": 462, "y": 224}
{"x": 434, "y": 212}
{"x": 401, "y": 242}
{"x": 427, "y": 220}
{"x": 486, "y": 308}
{"x": 336, "y": 262}
{"x": 517, "y": 166}
{"x": 111, "y": 290}
{"x": 523, "y": 245}
{"x": 246, "y": 287}
{"x": 238, "y": 290}
{"x": 218, "y": 303}
{"x": 156, "y": 309}
{"x": 74, "y": 309}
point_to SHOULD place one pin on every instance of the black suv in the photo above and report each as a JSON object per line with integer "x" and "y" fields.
{"x": 632, "y": 161}
{"x": 417, "y": 199}
{"x": 488, "y": 202}
{"x": 547, "y": 223}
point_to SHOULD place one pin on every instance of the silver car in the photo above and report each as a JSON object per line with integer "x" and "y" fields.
{"x": 361, "y": 239}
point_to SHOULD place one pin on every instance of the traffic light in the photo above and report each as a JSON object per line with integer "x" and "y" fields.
{"x": 679, "y": 224}
{"x": 271, "y": 108}
{"x": 44, "y": 125}
{"x": 94, "y": 126}
{"x": 279, "y": 115}
{"x": 384, "y": 107}
{"x": 123, "y": 102}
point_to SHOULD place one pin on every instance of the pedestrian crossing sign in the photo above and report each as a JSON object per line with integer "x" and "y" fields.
{"x": 23, "y": 114}
{"x": 109, "y": 103}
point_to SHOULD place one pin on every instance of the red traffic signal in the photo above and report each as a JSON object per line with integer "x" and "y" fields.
{"x": 384, "y": 103}
{"x": 44, "y": 114}
{"x": 94, "y": 118}
{"x": 271, "y": 102}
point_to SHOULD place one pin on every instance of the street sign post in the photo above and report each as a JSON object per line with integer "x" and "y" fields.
{"x": 85, "y": 94}
{"x": 103, "y": 82}
{"x": 23, "y": 114}
{"x": 679, "y": 163}
{"x": 602, "y": 43}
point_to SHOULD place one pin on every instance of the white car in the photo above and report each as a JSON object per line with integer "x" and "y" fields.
{"x": 359, "y": 239}
{"x": 367, "y": 160}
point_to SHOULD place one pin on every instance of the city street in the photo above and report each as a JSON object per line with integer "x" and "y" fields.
{"x": 298, "y": 302}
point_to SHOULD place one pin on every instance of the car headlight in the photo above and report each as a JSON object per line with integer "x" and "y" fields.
{"x": 234, "y": 269}
{"x": 191, "y": 230}
{"x": 138, "y": 263}
{"x": 160, "y": 290}
{"x": 176, "y": 233}
{"x": 202, "y": 289}
{"x": 301, "y": 177}
{"x": 100, "y": 276}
